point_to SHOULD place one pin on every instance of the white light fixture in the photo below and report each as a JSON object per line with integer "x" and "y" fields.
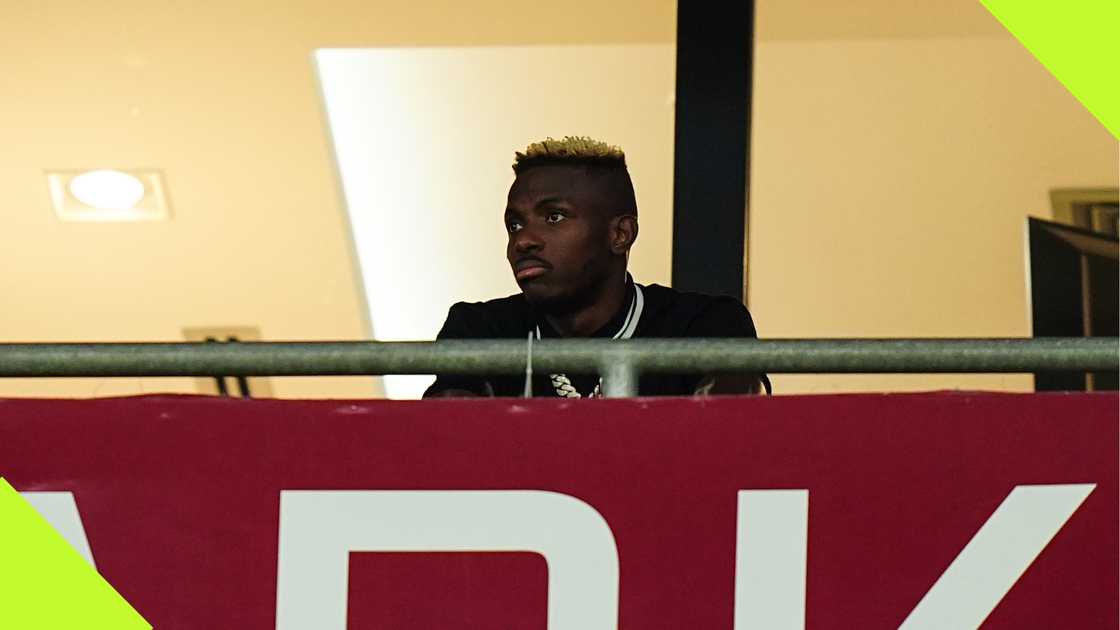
{"x": 107, "y": 190}
{"x": 108, "y": 195}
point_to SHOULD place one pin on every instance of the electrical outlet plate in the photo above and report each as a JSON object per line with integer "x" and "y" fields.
{"x": 259, "y": 386}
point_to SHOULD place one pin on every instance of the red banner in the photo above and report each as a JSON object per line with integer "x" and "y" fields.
{"x": 861, "y": 511}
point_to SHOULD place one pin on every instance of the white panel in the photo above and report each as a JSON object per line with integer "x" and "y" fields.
{"x": 995, "y": 558}
{"x": 60, "y": 510}
{"x": 319, "y": 529}
{"x": 424, "y": 140}
{"x": 770, "y": 559}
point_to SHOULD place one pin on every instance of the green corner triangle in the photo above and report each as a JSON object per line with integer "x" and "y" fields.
{"x": 45, "y": 584}
{"x": 1078, "y": 41}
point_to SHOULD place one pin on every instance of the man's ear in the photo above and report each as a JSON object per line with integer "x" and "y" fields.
{"x": 623, "y": 232}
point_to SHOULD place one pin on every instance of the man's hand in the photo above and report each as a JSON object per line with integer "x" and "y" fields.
{"x": 453, "y": 393}
{"x": 732, "y": 383}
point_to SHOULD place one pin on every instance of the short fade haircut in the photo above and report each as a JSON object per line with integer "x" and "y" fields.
{"x": 572, "y": 150}
{"x": 597, "y": 157}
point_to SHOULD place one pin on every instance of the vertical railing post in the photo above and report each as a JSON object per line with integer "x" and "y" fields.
{"x": 620, "y": 378}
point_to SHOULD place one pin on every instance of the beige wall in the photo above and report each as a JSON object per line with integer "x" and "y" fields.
{"x": 896, "y": 150}
{"x": 891, "y": 182}
{"x": 222, "y": 97}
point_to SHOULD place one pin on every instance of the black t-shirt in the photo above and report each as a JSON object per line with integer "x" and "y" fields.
{"x": 665, "y": 312}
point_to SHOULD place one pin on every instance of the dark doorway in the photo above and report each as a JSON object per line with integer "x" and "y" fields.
{"x": 1074, "y": 276}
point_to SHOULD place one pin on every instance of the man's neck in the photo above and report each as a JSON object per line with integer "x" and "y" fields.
{"x": 585, "y": 321}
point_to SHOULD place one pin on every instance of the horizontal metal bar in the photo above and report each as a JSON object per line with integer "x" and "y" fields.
{"x": 507, "y": 356}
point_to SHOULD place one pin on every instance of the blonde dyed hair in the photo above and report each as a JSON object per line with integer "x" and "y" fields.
{"x": 574, "y": 150}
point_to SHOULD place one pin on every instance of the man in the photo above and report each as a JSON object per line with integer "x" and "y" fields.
{"x": 572, "y": 218}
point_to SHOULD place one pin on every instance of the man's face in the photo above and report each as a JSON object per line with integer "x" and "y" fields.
{"x": 558, "y": 246}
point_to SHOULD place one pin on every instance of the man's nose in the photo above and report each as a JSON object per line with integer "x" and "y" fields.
{"x": 526, "y": 240}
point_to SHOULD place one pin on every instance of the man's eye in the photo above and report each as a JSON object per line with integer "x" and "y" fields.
{"x": 513, "y": 226}
{"x": 555, "y": 217}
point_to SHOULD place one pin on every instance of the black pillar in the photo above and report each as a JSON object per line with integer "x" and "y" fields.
{"x": 715, "y": 50}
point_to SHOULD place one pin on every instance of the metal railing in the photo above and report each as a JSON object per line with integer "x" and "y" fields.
{"x": 619, "y": 362}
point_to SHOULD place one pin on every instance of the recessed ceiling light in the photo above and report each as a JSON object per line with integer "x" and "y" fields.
{"x": 107, "y": 189}
{"x": 108, "y": 195}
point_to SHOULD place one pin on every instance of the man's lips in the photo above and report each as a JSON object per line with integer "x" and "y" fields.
{"x": 529, "y": 268}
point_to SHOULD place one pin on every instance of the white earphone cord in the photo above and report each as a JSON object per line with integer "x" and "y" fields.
{"x": 560, "y": 382}
{"x": 529, "y": 368}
